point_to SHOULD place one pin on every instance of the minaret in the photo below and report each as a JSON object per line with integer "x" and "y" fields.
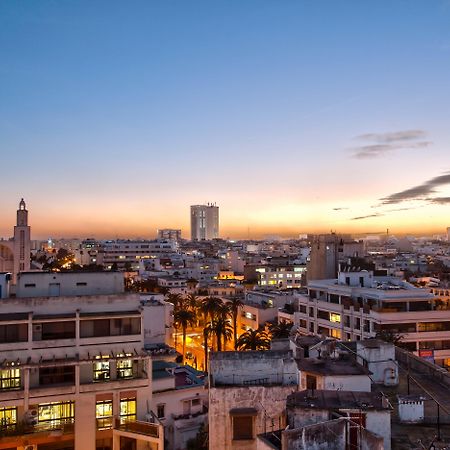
{"x": 22, "y": 245}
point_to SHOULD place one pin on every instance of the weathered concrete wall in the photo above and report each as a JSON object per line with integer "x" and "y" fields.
{"x": 323, "y": 436}
{"x": 270, "y": 403}
{"x": 235, "y": 368}
{"x": 379, "y": 423}
{"x": 299, "y": 418}
{"x": 371, "y": 442}
{"x": 359, "y": 383}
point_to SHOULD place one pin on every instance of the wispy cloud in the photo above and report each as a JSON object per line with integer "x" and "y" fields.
{"x": 366, "y": 217}
{"x": 383, "y": 143}
{"x": 420, "y": 192}
{"x": 440, "y": 200}
{"x": 340, "y": 209}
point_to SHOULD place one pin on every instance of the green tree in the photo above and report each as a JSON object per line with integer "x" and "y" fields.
{"x": 235, "y": 305}
{"x": 254, "y": 340}
{"x": 184, "y": 318}
{"x": 281, "y": 329}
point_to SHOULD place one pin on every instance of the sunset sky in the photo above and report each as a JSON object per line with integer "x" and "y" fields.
{"x": 293, "y": 116}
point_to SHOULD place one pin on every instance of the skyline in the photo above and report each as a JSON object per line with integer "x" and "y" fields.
{"x": 294, "y": 118}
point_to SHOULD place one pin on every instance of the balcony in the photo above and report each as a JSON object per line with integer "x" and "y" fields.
{"x": 135, "y": 431}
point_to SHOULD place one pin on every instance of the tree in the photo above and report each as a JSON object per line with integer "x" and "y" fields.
{"x": 192, "y": 302}
{"x": 175, "y": 299}
{"x": 210, "y": 306}
{"x": 207, "y": 331}
{"x": 254, "y": 340}
{"x": 221, "y": 328}
{"x": 281, "y": 330}
{"x": 389, "y": 336}
{"x": 184, "y": 318}
{"x": 235, "y": 305}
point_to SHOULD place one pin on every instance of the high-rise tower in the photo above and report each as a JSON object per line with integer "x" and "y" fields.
{"x": 22, "y": 245}
{"x": 204, "y": 222}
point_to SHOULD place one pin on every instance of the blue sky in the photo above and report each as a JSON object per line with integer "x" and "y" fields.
{"x": 115, "y": 116}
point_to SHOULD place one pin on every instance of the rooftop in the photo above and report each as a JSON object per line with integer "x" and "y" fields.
{"x": 320, "y": 399}
{"x": 331, "y": 366}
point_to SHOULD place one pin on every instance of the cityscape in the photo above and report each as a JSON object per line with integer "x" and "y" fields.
{"x": 225, "y": 225}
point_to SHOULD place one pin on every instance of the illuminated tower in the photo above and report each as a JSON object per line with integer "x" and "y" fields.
{"x": 22, "y": 245}
{"x": 204, "y": 222}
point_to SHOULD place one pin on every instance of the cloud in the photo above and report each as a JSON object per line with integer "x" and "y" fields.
{"x": 383, "y": 143}
{"x": 396, "y": 136}
{"x": 420, "y": 192}
{"x": 440, "y": 200}
{"x": 366, "y": 217}
{"x": 339, "y": 209}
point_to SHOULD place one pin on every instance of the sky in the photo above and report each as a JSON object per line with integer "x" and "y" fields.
{"x": 293, "y": 116}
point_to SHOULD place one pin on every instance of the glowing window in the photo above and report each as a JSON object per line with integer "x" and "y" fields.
{"x": 56, "y": 413}
{"x": 104, "y": 414}
{"x": 127, "y": 409}
{"x": 10, "y": 378}
{"x": 335, "y": 318}
{"x": 101, "y": 368}
{"x": 8, "y": 417}
{"x": 125, "y": 367}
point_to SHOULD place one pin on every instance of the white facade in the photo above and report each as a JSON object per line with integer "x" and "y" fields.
{"x": 358, "y": 304}
{"x": 55, "y": 284}
{"x": 75, "y": 373}
{"x": 204, "y": 222}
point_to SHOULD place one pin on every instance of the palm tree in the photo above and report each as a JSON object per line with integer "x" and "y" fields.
{"x": 206, "y": 334}
{"x": 281, "y": 330}
{"x": 210, "y": 307}
{"x": 184, "y": 318}
{"x": 235, "y": 305}
{"x": 221, "y": 328}
{"x": 192, "y": 302}
{"x": 254, "y": 340}
{"x": 175, "y": 299}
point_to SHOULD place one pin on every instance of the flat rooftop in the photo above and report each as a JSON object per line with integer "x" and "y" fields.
{"x": 323, "y": 399}
{"x": 331, "y": 367}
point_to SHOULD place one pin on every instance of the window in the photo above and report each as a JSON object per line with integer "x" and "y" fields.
{"x": 8, "y": 417}
{"x": 335, "y": 318}
{"x": 104, "y": 414}
{"x": 81, "y": 284}
{"x": 54, "y": 330}
{"x": 124, "y": 367}
{"x": 14, "y": 333}
{"x": 110, "y": 327}
{"x": 242, "y": 427}
{"x": 30, "y": 285}
{"x": 127, "y": 409}
{"x": 56, "y": 413}
{"x": 311, "y": 382}
{"x": 160, "y": 411}
{"x": 101, "y": 368}
{"x": 321, "y": 314}
{"x": 10, "y": 378}
{"x": 57, "y": 375}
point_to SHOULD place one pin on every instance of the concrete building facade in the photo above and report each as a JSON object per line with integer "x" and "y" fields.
{"x": 204, "y": 222}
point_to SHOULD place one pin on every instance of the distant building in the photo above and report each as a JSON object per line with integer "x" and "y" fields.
{"x": 204, "y": 222}
{"x": 170, "y": 234}
{"x": 327, "y": 251}
{"x": 448, "y": 234}
{"x": 15, "y": 253}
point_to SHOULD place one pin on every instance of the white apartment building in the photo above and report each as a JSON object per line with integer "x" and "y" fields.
{"x": 125, "y": 254}
{"x": 281, "y": 276}
{"x": 73, "y": 374}
{"x": 358, "y": 304}
{"x": 204, "y": 222}
{"x": 180, "y": 401}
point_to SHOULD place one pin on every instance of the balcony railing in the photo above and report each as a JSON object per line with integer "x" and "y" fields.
{"x": 20, "y": 428}
{"x": 139, "y": 427}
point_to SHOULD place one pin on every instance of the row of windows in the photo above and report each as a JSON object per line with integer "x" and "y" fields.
{"x": 66, "y": 330}
{"x": 56, "y": 413}
{"x": 10, "y": 378}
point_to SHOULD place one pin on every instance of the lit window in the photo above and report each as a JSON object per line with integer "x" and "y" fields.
{"x": 125, "y": 367}
{"x": 335, "y": 318}
{"x": 104, "y": 414}
{"x": 101, "y": 368}
{"x": 289, "y": 275}
{"x": 10, "y": 378}
{"x": 56, "y": 413}
{"x": 263, "y": 283}
{"x": 8, "y": 417}
{"x": 335, "y": 333}
{"x": 249, "y": 315}
{"x": 280, "y": 275}
{"x": 127, "y": 409}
